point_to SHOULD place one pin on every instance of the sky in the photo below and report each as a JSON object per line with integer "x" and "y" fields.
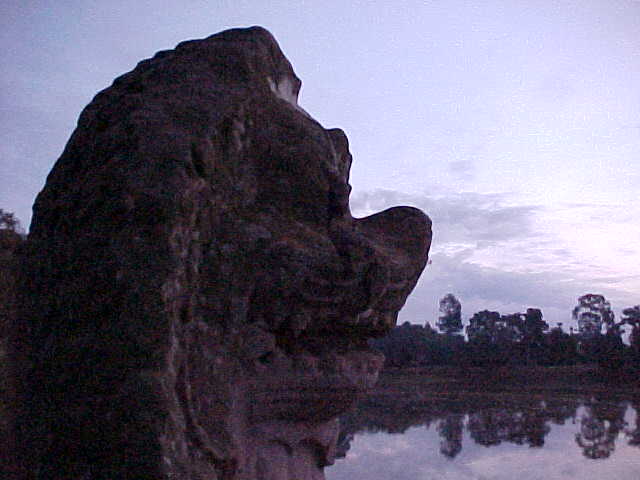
{"x": 513, "y": 124}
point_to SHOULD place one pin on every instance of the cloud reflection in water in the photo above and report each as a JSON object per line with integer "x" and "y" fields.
{"x": 559, "y": 439}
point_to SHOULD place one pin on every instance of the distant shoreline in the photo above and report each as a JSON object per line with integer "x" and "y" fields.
{"x": 561, "y": 379}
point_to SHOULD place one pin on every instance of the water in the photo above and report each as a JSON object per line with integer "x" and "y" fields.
{"x": 495, "y": 436}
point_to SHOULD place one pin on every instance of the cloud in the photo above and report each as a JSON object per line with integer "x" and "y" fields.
{"x": 463, "y": 170}
{"x": 493, "y": 253}
{"x": 462, "y": 218}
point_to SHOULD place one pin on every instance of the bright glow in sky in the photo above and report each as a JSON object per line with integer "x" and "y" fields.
{"x": 515, "y": 125}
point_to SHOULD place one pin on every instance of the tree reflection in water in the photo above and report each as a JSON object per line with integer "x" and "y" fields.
{"x": 600, "y": 425}
{"x": 491, "y": 421}
{"x": 634, "y": 433}
{"x": 493, "y": 426}
{"x": 450, "y": 430}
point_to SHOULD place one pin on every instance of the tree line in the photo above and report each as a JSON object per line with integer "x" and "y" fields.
{"x": 494, "y": 339}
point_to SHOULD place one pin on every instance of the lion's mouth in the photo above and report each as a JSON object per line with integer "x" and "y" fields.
{"x": 317, "y": 382}
{"x": 312, "y": 375}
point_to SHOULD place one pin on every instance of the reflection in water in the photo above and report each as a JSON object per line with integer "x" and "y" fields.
{"x": 450, "y": 430}
{"x": 634, "y": 433}
{"x": 599, "y": 422}
{"x": 600, "y": 425}
{"x": 493, "y": 426}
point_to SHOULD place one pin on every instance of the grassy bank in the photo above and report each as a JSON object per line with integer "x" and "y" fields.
{"x": 580, "y": 379}
{"x": 3, "y": 389}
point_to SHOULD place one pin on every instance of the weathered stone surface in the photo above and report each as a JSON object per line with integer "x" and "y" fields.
{"x": 195, "y": 295}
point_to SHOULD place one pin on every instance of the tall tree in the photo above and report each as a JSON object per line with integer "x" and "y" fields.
{"x": 450, "y": 320}
{"x": 10, "y": 238}
{"x": 592, "y": 312}
{"x": 631, "y": 316}
{"x": 9, "y": 222}
{"x": 484, "y": 325}
{"x": 512, "y": 325}
{"x": 534, "y": 326}
{"x": 487, "y": 345}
